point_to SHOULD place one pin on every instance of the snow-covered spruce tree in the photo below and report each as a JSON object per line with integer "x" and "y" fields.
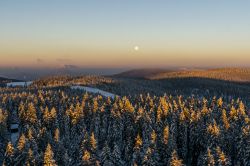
{"x": 30, "y": 115}
{"x": 183, "y": 134}
{"x": 213, "y": 132}
{"x": 21, "y": 143}
{"x": 93, "y": 142}
{"x": 116, "y": 156}
{"x": 137, "y": 155}
{"x": 30, "y": 159}
{"x": 86, "y": 158}
{"x": 59, "y": 149}
{"x": 3, "y": 132}
{"x": 175, "y": 161}
{"x": 206, "y": 159}
{"x": 222, "y": 159}
{"x": 48, "y": 158}
{"x": 243, "y": 146}
{"x": 9, "y": 155}
{"x": 106, "y": 158}
{"x": 151, "y": 157}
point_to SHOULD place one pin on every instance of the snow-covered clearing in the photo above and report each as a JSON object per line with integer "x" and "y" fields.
{"x": 94, "y": 90}
{"x": 23, "y": 84}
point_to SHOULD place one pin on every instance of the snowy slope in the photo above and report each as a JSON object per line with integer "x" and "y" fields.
{"x": 94, "y": 90}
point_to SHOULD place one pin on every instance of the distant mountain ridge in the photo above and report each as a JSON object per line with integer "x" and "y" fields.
{"x": 226, "y": 74}
{"x": 141, "y": 73}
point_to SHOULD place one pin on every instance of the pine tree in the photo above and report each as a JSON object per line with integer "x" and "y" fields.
{"x": 138, "y": 142}
{"x": 9, "y": 154}
{"x": 9, "y": 150}
{"x": 165, "y": 135}
{"x": 117, "y": 156}
{"x": 159, "y": 113}
{"x": 3, "y": 116}
{"x": 243, "y": 145}
{"x": 21, "y": 142}
{"x": 128, "y": 106}
{"x": 57, "y": 135}
{"x": 106, "y": 156}
{"x": 207, "y": 159}
{"x": 95, "y": 105}
{"x": 153, "y": 137}
{"x": 220, "y": 102}
{"x": 242, "y": 108}
{"x": 31, "y": 116}
{"x": 137, "y": 156}
{"x": 86, "y": 158}
{"x": 93, "y": 142}
{"x": 175, "y": 161}
{"x": 225, "y": 120}
{"x": 48, "y": 159}
{"x": 30, "y": 160}
{"x": 53, "y": 113}
{"x": 3, "y": 131}
{"x": 46, "y": 116}
{"x": 151, "y": 158}
{"x": 213, "y": 129}
{"x": 30, "y": 134}
{"x": 222, "y": 160}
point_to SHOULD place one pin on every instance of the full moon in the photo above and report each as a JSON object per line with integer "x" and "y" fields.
{"x": 136, "y": 48}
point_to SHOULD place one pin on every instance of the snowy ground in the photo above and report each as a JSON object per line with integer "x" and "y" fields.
{"x": 14, "y": 137}
{"x": 94, "y": 90}
{"x": 14, "y": 84}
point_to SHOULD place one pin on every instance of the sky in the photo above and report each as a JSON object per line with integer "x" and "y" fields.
{"x": 124, "y": 33}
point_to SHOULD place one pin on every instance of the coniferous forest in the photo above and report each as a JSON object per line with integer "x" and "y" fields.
{"x": 124, "y": 83}
{"x": 64, "y": 126}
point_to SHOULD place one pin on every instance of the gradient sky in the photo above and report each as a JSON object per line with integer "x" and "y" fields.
{"x": 103, "y": 33}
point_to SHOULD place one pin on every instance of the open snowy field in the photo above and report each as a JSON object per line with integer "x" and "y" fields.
{"x": 94, "y": 90}
{"x": 14, "y": 84}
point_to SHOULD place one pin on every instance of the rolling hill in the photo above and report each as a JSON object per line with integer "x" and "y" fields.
{"x": 230, "y": 81}
{"x": 226, "y": 74}
{"x": 141, "y": 73}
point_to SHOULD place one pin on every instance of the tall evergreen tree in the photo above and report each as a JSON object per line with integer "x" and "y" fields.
{"x": 48, "y": 159}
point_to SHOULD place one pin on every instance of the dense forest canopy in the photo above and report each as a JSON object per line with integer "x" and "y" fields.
{"x": 61, "y": 126}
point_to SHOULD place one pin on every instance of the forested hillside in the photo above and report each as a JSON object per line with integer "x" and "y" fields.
{"x": 226, "y": 74}
{"x": 61, "y": 126}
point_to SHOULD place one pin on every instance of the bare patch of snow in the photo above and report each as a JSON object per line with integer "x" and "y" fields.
{"x": 94, "y": 90}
